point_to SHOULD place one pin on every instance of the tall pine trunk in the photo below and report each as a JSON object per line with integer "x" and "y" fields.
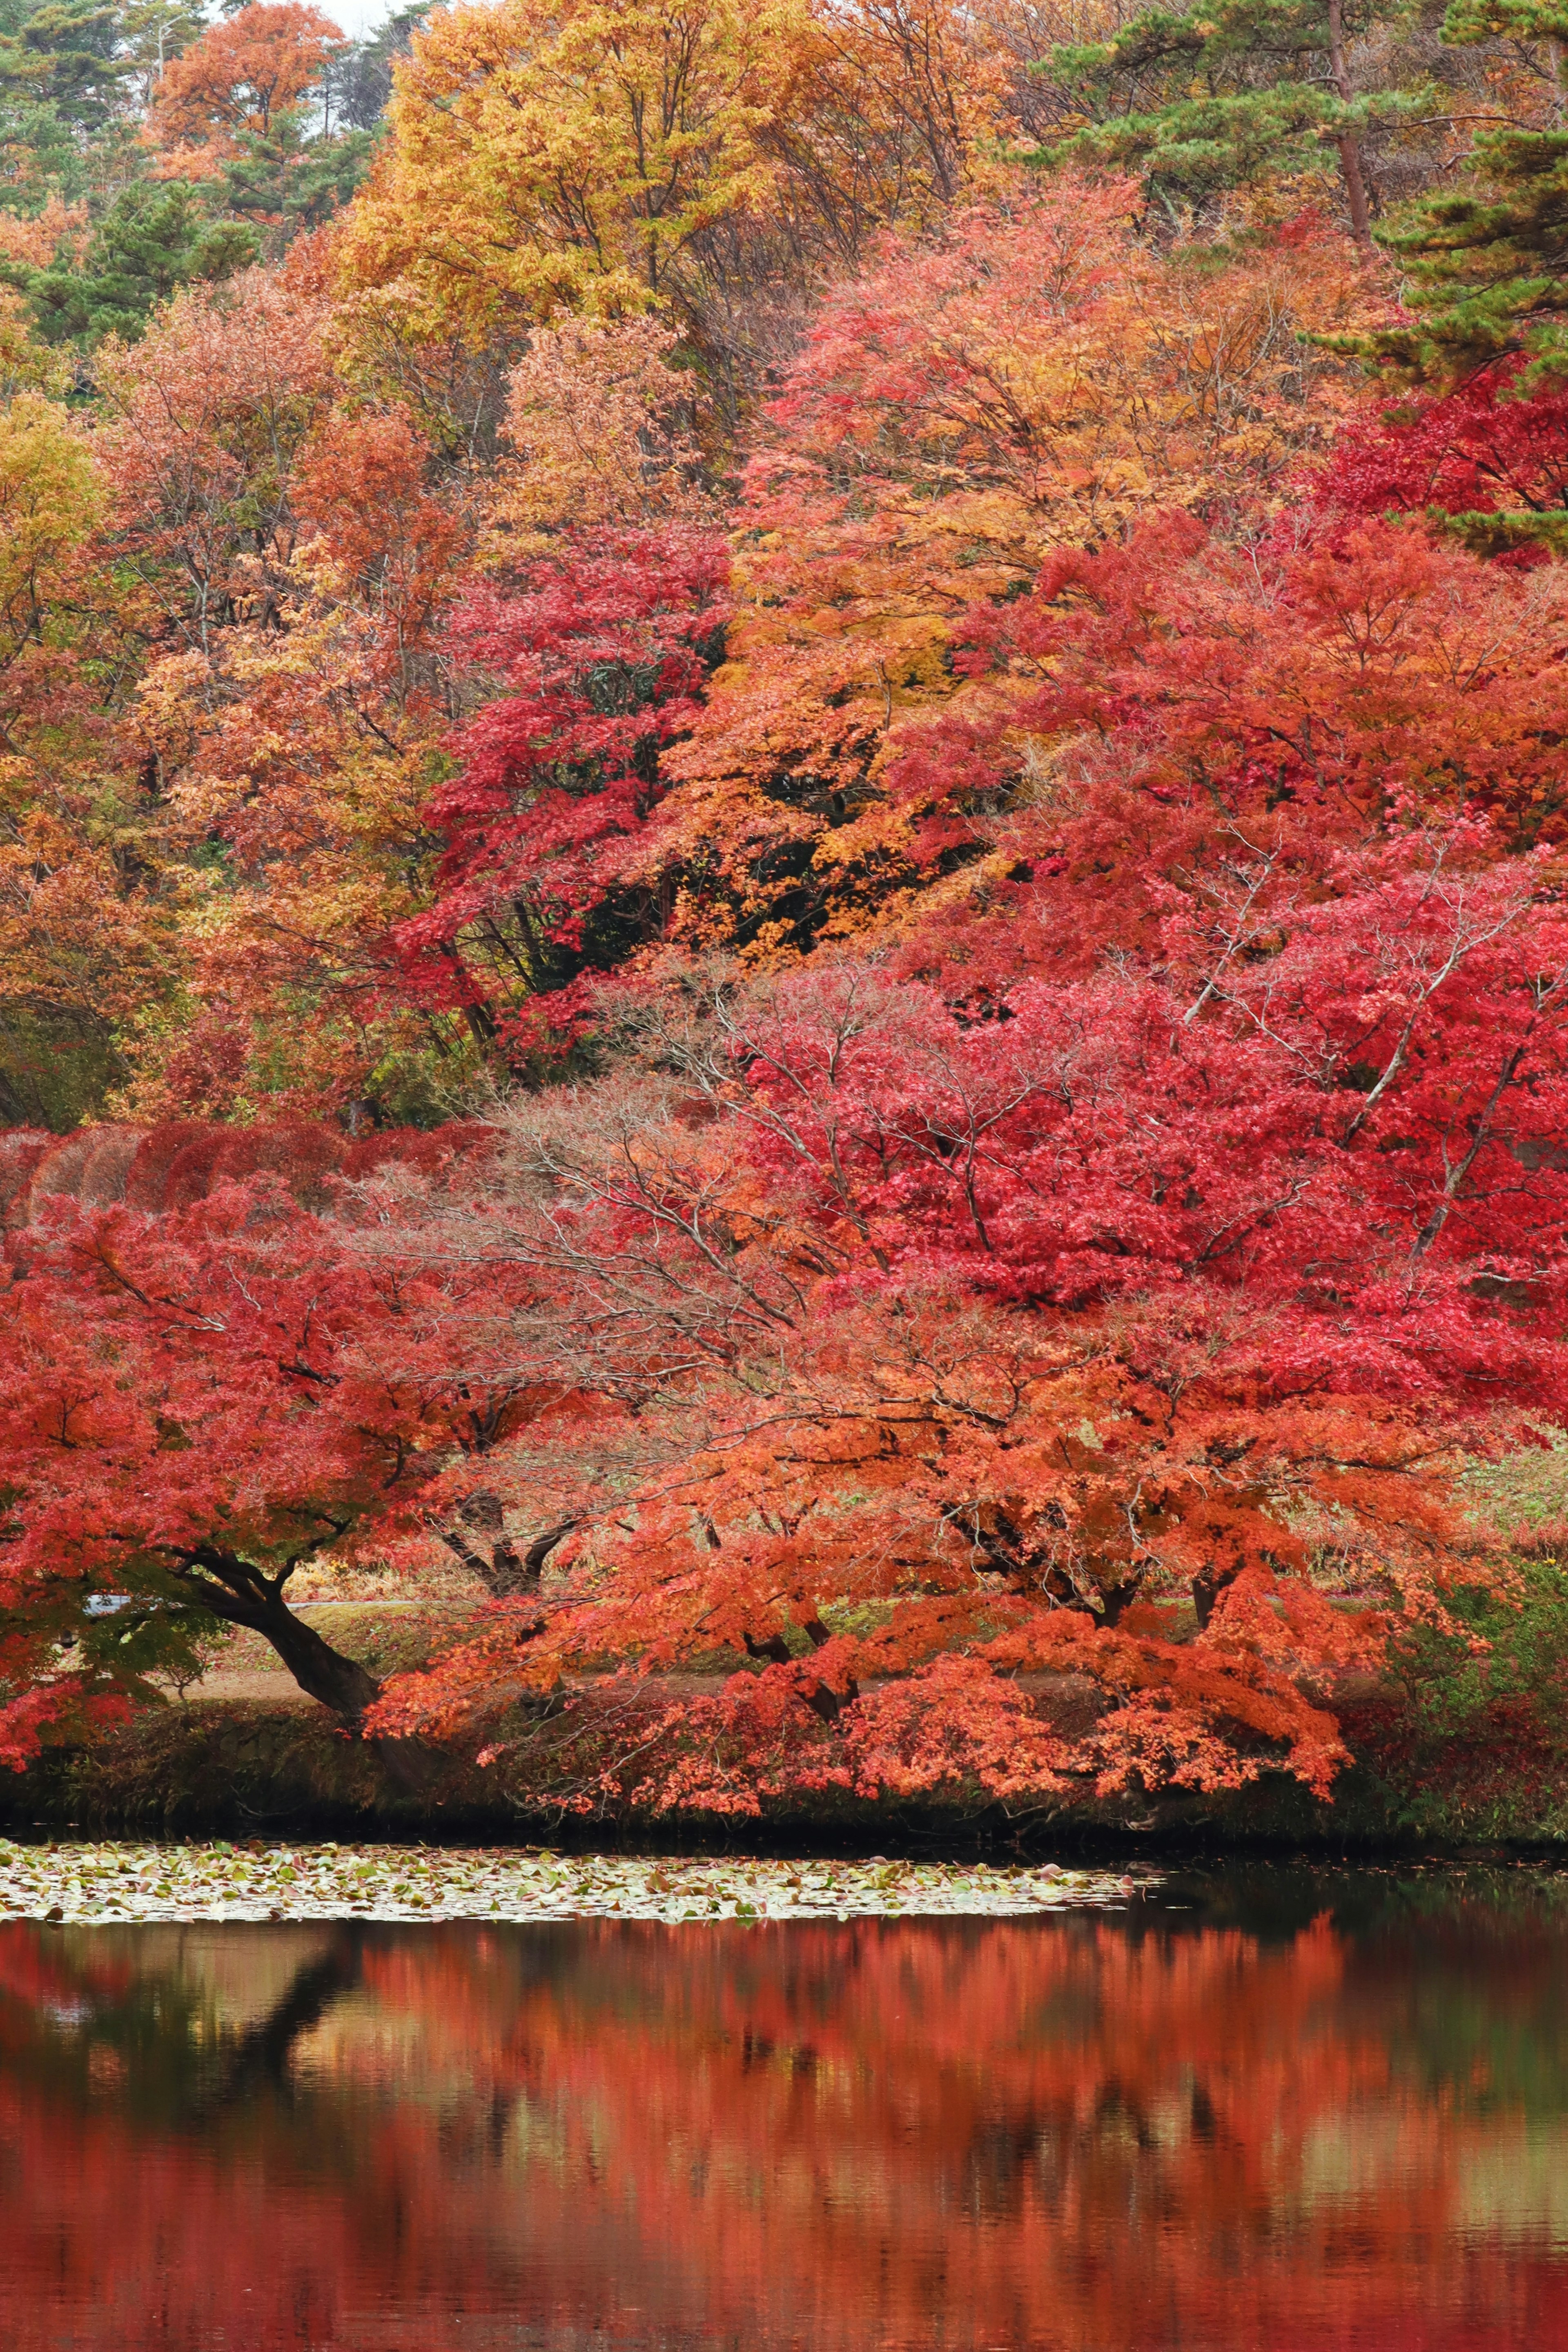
{"x": 1349, "y": 149}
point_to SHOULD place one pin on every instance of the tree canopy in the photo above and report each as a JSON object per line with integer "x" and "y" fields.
{"x": 781, "y": 837}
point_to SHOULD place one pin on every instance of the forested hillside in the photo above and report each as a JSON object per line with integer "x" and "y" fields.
{"x": 782, "y": 808}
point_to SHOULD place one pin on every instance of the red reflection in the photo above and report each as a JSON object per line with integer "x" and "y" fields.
{"x": 1069, "y": 2135}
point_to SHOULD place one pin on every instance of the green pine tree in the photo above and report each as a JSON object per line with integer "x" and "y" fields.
{"x": 74, "y": 78}
{"x": 154, "y": 239}
{"x": 63, "y": 56}
{"x": 290, "y": 182}
{"x": 1487, "y": 263}
{"x": 62, "y": 91}
{"x": 1207, "y": 100}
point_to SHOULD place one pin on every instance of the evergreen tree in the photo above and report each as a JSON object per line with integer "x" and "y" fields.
{"x": 289, "y": 182}
{"x": 154, "y": 239}
{"x": 1202, "y": 101}
{"x": 1487, "y": 263}
{"x": 61, "y": 89}
{"x": 75, "y": 76}
{"x": 63, "y": 56}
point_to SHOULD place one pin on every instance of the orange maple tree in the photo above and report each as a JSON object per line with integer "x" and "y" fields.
{"x": 1129, "y": 1332}
{"x": 237, "y": 78}
{"x": 1030, "y": 380}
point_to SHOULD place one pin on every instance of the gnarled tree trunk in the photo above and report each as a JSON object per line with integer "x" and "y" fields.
{"x": 241, "y": 1594}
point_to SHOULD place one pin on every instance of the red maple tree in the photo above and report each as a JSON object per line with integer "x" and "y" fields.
{"x": 205, "y": 1399}
{"x": 604, "y": 646}
{"x": 1488, "y": 459}
{"x": 1135, "y": 1332}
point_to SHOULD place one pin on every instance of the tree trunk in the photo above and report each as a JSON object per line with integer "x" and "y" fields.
{"x": 233, "y": 1590}
{"x": 506, "y": 1573}
{"x": 323, "y": 1673}
{"x": 1207, "y": 1593}
{"x": 1119, "y": 1598}
{"x": 1349, "y": 151}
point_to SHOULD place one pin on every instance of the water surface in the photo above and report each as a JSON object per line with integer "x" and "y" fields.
{"x": 1270, "y": 2109}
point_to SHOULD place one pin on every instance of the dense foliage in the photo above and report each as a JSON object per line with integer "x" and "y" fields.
{"x": 775, "y": 858}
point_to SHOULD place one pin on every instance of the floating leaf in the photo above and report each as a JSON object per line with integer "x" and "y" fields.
{"x": 382, "y": 1882}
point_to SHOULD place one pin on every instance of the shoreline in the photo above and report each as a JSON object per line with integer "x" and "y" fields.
{"x": 242, "y": 1770}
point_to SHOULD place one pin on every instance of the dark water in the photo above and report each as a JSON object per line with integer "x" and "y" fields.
{"x": 1304, "y": 2111}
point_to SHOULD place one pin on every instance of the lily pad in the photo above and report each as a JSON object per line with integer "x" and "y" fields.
{"x": 66, "y": 1884}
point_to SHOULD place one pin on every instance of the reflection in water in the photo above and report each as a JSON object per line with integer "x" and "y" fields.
{"x": 1298, "y": 2114}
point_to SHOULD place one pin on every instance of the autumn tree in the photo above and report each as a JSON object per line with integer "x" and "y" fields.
{"x": 293, "y": 562}
{"x": 1487, "y": 461}
{"x": 601, "y": 619}
{"x": 237, "y": 81}
{"x": 493, "y": 196}
{"x": 1031, "y": 380}
{"x": 711, "y": 163}
{"x": 1158, "y": 718}
{"x": 208, "y": 1397}
{"x": 1118, "y": 1336}
{"x": 49, "y": 493}
{"x": 231, "y": 110}
{"x": 82, "y": 929}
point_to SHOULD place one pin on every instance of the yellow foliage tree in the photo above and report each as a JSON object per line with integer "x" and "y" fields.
{"x": 714, "y": 160}
{"x": 571, "y": 157}
{"x": 49, "y": 497}
{"x": 82, "y": 932}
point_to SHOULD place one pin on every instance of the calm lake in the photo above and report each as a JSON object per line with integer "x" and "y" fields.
{"x": 1264, "y": 2107}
